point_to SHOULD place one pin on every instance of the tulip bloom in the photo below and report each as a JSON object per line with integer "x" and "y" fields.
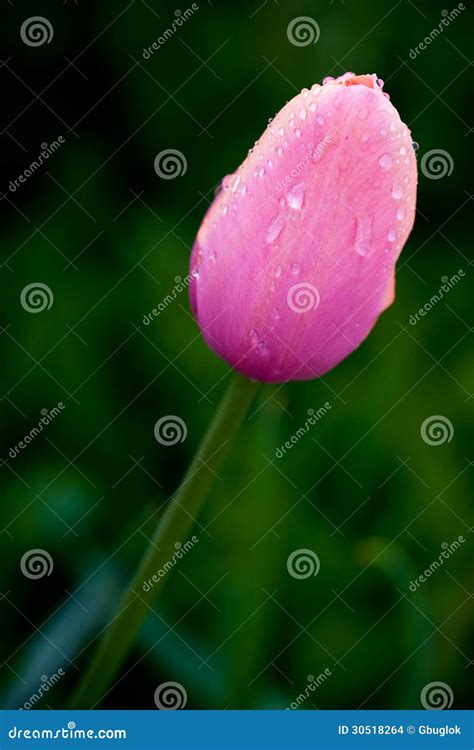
{"x": 295, "y": 258}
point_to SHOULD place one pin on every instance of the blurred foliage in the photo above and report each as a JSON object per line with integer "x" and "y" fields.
{"x": 109, "y": 238}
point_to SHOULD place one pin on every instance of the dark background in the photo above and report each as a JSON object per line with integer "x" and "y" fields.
{"x": 362, "y": 490}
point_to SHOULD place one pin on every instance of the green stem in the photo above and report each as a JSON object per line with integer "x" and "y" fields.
{"x": 173, "y": 527}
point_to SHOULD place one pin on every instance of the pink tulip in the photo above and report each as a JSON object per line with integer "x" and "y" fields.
{"x": 295, "y": 259}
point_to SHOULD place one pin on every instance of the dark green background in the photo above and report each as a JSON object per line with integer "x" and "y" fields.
{"x": 108, "y": 236}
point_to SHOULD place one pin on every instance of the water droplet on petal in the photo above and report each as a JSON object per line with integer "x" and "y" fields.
{"x": 403, "y": 151}
{"x": 392, "y": 235}
{"x": 259, "y": 172}
{"x": 253, "y": 336}
{"x": 400, "y": 213}
{"x": 363, "y": 235}
{"x": 270, "y": 163}
{"x": 327, "y": 79}
{"x": 274, "y": 229}
{"x": 272, "y": 286}
{"x": 262, "y": 348}
{"x": 397, "y": 191}
{"x": 385, "y": 161}
{"x": 297, "y": 132}
{"x": 275, "y": 314}
{"x": 363, "y": 112}
{"x": 392, "y": 125}
{"x": 295, "y": 269}
{"x": 313, "y": 106}
{"x": 277, "y": 271}
{"x": 303, "y": 114}
{"x": 321, "y": 119}
{"x": 212, "y": 256}
{"x": 280, "y": 150}
{"x": 415, "y": 146}
{"x": 295, "y": 197}
{"x": 305, "y": 93}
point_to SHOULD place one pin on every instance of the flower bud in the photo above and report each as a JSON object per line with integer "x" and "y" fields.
{"x": 295, "y": 258}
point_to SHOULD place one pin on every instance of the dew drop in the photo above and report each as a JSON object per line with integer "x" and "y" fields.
{"x": 275, "y": 315}
{"x": 327, "y": 79}
{"x": 363, "y": 112}
{"x": 397, "y": 191}
{"x": 270, "y": 163}
{"x": 316, "y": 88}
{"x": 321, "y": 119}
{"x": 212, "y": 256}
{"x": 280, "y": 150}
{"x": 303, "y": 114}
{"x": 282, "y": 201}
{"x": 253, "y": 336}
{"x": 363, "y": 235}
{"x": 272, "y": 286}
{"x": 392, "y": 126}
{"x": 277, "y": 272}
{"x": 259, "y": 172}
{"x": 385, "y": 161}
{"x": 305, "y": 93}
{"x": 415, "y": 146}
{"x": 392, "y": 235}
{"x": 313, "y": 106}
{"x": 274, "y": 229}
{"x": 262, "y": 348}
{"x": 400, "y": 213}
{"x": 295, "y": 197}
{"x": 281, "y": 131}
{"x": 297, "y": 132}
{"x": 295, "y": 269}
{"x": 403, "y": 151}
